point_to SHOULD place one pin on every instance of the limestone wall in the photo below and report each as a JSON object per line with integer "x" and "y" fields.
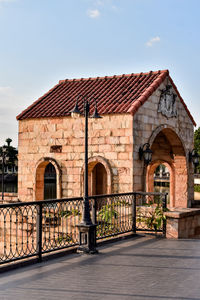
{"x": 146, "y": 125}
{"x": 109, "y": 137}
{"x": 9, "y": 197}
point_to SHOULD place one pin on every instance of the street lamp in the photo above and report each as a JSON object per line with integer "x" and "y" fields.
{"x": 145, "y": 153}
{"x": 3, "y": 159}
{"x": 87, "y": 230}
{"x": 194, "y": 158}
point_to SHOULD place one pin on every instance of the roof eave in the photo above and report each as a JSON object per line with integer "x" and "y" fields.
{"x": 148, "y": 92}
{"x": 20, "y": 116}
{"x": 151, "y": 89}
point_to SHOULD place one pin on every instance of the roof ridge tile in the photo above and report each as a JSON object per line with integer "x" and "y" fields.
{"x": 148, "y": 92}
{"x": 112, "y": 76}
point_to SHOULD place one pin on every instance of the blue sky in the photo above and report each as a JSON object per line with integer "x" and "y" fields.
{"x": 43, "y": 41}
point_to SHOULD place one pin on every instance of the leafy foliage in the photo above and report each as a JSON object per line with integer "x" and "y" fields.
{"x": 106, "y": 216}
{"x": 154, "y": 218}
{"x": 197, "y": 139}
{"x": 67, "y": 213}
{"x": 106, "y": 230}
{"x": 197, "y": 188}
{"x": 66, "y": 238}
{"x": 11, "y": 152}
{"x": 197, "y": 144}
{"x": 107, "y": 213}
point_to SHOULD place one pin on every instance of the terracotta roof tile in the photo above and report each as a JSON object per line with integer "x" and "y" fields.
{"x": 114, "y": 94}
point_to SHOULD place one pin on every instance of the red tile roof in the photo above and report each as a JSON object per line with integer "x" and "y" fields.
{"x": 114, "y": 94}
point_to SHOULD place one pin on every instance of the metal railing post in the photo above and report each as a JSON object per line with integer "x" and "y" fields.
{"x": 94, "y": 217}
{"x": 164, "y": 206}
{"x": 134, "y": 213}
{"x": 94, "y": 213}
{"x": 39, "y": 232}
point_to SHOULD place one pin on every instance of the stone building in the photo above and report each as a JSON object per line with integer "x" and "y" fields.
{"x": 136, "y": 109}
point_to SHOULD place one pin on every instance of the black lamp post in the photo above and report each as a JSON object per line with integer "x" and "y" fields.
{"x": 3, "y": 159}
{"x": 194, "y": 158}
{"x": 87, "y": 230}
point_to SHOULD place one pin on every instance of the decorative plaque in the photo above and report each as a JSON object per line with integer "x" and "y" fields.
{"x": 167, "y": 103}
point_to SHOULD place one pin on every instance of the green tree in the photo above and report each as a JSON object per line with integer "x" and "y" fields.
{"x": 197, "y": 144}
{"x": 11, "y": 153}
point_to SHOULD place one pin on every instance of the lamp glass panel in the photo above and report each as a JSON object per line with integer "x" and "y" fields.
{"x": 147, "y": 156}
{"x": 75, "y": 115}
{"x": 3, "y": 149}
{"x": 196, "y": 160}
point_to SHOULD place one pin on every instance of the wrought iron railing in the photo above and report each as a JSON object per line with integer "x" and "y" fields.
{"x": 113, "y": 214}
{"x": 116, "y": 214}
{"x": 30, "y": 229}
{"x": 33, "y": 228}
{"x": 150, "y": 208}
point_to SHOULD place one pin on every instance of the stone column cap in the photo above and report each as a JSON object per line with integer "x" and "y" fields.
{"x": 178, "y": 213}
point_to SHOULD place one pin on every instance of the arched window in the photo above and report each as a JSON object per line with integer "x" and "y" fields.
{"x": 50, "y": 182}
{"x": 47, "y": 179}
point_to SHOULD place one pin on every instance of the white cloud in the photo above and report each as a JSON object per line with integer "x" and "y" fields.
{"x": 152, "y": 41}
{"x": 93, "y": 13}
{"x": 101, "y": 5}
{"x": 5, "y": 90}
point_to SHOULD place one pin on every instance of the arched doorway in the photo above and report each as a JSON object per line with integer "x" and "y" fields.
{"x": 160, "y": 180}
{"x": 48, "y": 179}
{"x": 98, "y": 180}
{"x": 168, "y": 150}
{"x": 99, "y": 177}
{"x": 50, "y": 182}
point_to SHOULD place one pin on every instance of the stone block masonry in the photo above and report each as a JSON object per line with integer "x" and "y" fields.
{"x": 109, "y": 138}
{"x": 183, "y": 223}
{"x": 9, "y": 197}
{"x": 171, "y": 139}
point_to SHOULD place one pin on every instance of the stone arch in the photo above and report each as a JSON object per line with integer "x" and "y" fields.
{"x": 92, "y": 162}
{"x": 168, "y": 148}
{"x": 161, "y": 128}
{"x": 39, "y": 177}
